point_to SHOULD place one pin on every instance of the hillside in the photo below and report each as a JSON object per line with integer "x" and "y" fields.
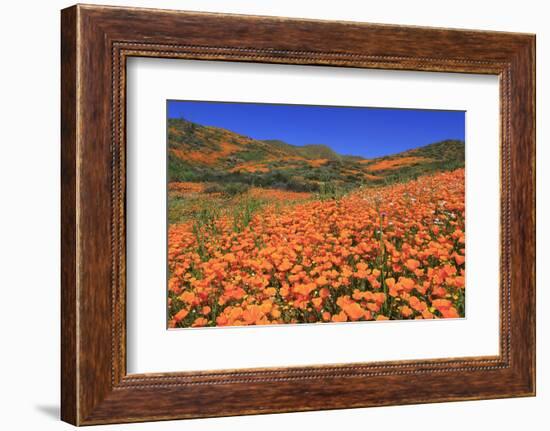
{"x": 214, "y": 155}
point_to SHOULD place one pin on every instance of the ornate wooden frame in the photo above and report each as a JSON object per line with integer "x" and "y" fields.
{"x": 95, "y": 42}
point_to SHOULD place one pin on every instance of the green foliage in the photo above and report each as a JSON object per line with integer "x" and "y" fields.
{"x": 180, "y": 170}
{"x": 316, "y": 151}
{"x": 233, "y": 189}
{"x": 449, "y": 150}
{"x": 330, "y": 190}
{"x": 441, "y": 156}
{"x": 253, "y": 155}
{"x": 244, "y": 211}
{"x": 289, "y": 167}
{"x": 176, "y": 210}
{"x": 204, "y": 226}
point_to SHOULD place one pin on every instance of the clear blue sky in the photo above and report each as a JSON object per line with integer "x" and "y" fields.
{"x": 367, "y": 132}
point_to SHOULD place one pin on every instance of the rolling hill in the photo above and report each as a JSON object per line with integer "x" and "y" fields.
{"x": 198, "y": 153}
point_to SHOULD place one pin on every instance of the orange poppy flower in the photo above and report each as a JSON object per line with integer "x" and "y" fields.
{"x": 201, "y": 321}
{"x": 406, "y": 311}
{"x": 340, "y": 317}
{"x": 412, "y": 264}
{"x": 180, "y": 315}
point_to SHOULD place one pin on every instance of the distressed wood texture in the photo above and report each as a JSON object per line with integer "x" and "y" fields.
{"x": 95, "y": 42}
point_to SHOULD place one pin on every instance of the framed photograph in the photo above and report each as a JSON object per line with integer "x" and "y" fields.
{"x": 264, "y": 214}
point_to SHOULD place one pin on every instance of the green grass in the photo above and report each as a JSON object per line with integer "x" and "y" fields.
{"x": 205, "y": 209}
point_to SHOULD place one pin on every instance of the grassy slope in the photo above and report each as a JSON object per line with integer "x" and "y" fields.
{"x": 214, "y": 155}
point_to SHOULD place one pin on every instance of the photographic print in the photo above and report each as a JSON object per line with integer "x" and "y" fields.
{"x": 290, "y": 214}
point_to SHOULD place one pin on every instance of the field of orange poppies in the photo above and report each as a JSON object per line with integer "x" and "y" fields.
{"x": 276, "y": 257}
